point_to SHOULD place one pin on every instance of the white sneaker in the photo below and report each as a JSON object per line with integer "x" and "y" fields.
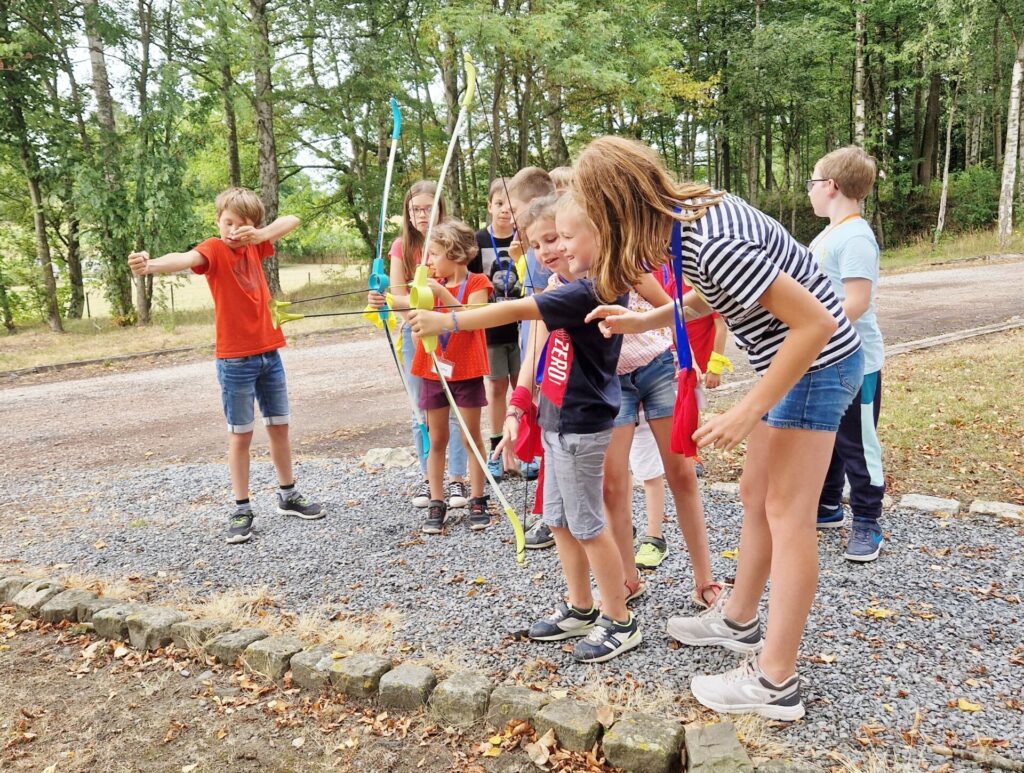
{"x": 457, "y": 495}
{"x": 746, "y": 690}
{"x": 422, "y": 496}
{"x": 712, "y": 628}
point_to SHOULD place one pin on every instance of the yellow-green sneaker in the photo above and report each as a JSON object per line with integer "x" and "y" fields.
{"x": 651, "y": 553}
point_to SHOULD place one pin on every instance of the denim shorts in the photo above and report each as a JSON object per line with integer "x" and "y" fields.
{"x": 259, "y": 377}
{"x": 574, "y": 481}
{"x": 652, "y": 385}
{"x": 819, "y": 400}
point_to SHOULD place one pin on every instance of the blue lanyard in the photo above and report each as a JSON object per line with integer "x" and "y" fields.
{"x": 682, "y": 342}
{"x": 497, "y": 255}
{"x": 460, "y": 294}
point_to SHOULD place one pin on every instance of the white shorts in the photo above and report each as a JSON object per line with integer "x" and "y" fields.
{"x": 644, "y": 457}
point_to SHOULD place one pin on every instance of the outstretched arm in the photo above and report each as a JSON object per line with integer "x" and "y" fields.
{"x": 432, "y": 323}
{"x": 141, "y": 264}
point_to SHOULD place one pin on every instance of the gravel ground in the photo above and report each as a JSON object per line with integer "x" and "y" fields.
{"x": 954, "y": 586}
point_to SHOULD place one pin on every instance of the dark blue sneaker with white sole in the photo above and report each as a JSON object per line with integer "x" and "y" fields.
{"x": 830, "y": 517}
{"x": 865, "y": 542}
{"x": 564, "y": 623}
{"x": 609, "y": 639}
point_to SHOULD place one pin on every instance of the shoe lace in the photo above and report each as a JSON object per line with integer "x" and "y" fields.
{"x": 746, "y": 670}
{"x": 298, "y": 499}
{"x": 457, "y": 488}
{"x": 602, "y": 630}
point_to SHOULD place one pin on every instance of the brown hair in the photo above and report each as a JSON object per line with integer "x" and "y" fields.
{"x": 561, "y": 177}
{"x": 412, "y": 239}
{"x": 626, "y": 192}
{"x": 852, "y": 170}
{"x": 529, "y": 183}
{"x": 242, "y": 202}
{"x": 539, "y": 209}
{"x": 497, "y": 184}
{"x": 457, "y": 240}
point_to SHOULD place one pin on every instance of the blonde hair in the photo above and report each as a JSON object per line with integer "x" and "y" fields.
{"x": 243, "y": 202}
{"x": 628, "y": 195}
{"x": 561, "y": 177}
{"x": 539, "y": 209}
{"x": 412, "y": 239}
{"x": 852, "y": 170}
{"x": 456, "y": 239}
{"x": 530, "y": 183}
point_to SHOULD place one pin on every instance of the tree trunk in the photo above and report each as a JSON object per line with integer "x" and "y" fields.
{"x": 76, "y": 304}
{"x": 858, "y": 78}
{"x": 941, "y": 223}
{"x": 142, "y": 291}
{"x": 496, "y": 112}
{"x": 997, "y": 87}
{"x": 264, "y": 107}
{"x": 1010, "y": 150}
{"x": 5, "y": 307}
{"x": 558, "y": 149}
{"x": 931, "y": 132}
{"x": 769, "y": 173}
{"x": 915, "y": 167}
{"x": 227, "y": 87}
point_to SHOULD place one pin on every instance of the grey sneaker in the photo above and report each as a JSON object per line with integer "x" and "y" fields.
{"x": 539, "y": 536}
{"x": 746, "y": 690}
{"x": 479, "y": 514}
{"x": 711, "y": 627}
{"x": 564, "y": 623}
{"x": 299, "y": 506}
{"x": 457, "y": 495}
{"x": 240, "y": 528}
{"x": 865, "y": 542}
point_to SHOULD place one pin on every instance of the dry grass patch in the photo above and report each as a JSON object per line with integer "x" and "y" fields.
{"x": 952, "y": 251}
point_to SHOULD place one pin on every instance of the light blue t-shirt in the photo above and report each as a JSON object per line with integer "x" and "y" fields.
{"x": 536, "y": 279}
{"x": 850, "y": 251}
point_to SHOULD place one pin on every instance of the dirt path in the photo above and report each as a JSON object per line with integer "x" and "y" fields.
{"x": 345, "y": 395}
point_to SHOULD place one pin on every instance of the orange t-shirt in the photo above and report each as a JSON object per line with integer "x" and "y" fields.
{"x": 466, "y": 350}
{"x": 241, "y": 311}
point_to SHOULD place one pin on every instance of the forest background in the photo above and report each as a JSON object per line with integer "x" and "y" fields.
{"x": 120, "y": 121}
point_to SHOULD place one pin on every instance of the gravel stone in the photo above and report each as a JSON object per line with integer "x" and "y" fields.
{"x": 510, "y": 702}
{"x": 359, "y": 675}
{"x": 715, "y": 749}
{"x": 150, "y": 627}
{"x": 191, "y": 635}
{"x": 271, "y": 656}
{"x": 31, "y": 598}
{"x": 64, "y": 606}
{"x": 461, "y": 699}
{"x": 111, "y": 623}
{"x": 575, "y": 723}
{"x": 644, "y": 742}
{"x": 311, "y": 668}
{"x": 228, "y": 647}
{"x": 407, "y": 687}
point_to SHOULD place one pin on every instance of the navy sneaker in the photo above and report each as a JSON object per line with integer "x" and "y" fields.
{"x": 564, "y": 623}
{"x": 865, "y": 542}
{"x": 607, "y": 640}
{"x": 435, "y": 517}
{"x": 830, "y": 517}
{"x": 240, "y": 528}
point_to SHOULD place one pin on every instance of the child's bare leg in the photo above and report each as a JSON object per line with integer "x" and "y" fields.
{"x": 618, "y": 500}
{"x": 575, "y": 566}
{"x": 476, "y": 474}
{"x": 654, "y": 499}
{"x": 238, "y": 463}
{"x": 281, "y": 453}
{"x": 682, "y": 481}
{"x": 437, "y": 428}
{"x": 755, "y": 554}
{"x": 605, "y": 560}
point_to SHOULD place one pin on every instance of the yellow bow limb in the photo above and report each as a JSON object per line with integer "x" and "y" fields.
{"x": 422, "y": 297}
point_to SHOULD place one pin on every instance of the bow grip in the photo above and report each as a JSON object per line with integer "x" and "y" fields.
{"x": 396, "y": 117}
{"x": 378, "y": 281}
{"x": 422, "y": 297}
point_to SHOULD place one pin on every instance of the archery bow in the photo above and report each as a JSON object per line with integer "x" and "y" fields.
{"x": 422, "y": 297}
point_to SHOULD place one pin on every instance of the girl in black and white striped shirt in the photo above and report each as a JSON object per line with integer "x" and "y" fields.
{"x": 783, "y": 312}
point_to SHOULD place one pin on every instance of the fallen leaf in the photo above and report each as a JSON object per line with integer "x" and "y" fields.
{"x": 731, "y": 554}
{"x": 606, "y": 716}
{"x": 480, "y": 580}
{"x": 965, "y": 705}
{"x": 99, "y": 544}
{"x": 492, "y": 751}
{"x": 189, "y": 768}
{"x": 879, "y": 613}
{"x": 120, "y": 652}
{"x": 222, "y": 734}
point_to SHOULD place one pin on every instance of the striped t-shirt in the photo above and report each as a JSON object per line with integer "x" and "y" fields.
{"x": 731, "y": 256}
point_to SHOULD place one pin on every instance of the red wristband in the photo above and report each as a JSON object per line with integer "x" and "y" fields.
{"x": 521, "y": 399}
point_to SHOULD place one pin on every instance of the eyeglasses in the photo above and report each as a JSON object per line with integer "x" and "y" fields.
{"x": 808, "y": 184}
{"x": 424, "y": 211}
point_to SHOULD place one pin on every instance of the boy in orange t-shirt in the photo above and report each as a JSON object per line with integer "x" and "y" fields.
{"x": 248, "y": 364}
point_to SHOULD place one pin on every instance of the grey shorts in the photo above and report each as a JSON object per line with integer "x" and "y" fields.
{"x": 574, "y": 481}
{"x": 504, "y": 360}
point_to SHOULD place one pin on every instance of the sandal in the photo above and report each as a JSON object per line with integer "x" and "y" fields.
{"x": 635, "y": 589}
{"x": 701, "y": 592}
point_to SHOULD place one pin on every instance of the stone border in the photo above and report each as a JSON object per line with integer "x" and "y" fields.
{"x": 632, "y": 741}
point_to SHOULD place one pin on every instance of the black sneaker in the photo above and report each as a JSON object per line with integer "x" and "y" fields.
{"x": 422, "y": 496}
{"x": 564, "y": 623}
{"x": 435, "y": 517}
{"x": 539, "y": 536}
{"x": 607, "y": 640}
{"x": 479, "y": 517}
{"x": 299, "y": 506}
{"x": 239, "y": 528}
{"x": 457, "y": 495}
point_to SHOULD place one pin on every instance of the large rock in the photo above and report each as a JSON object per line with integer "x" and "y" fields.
{"x": 643, "y": 742}
{"x": 510, "y": 702}
{"x": 388, "y": 457}
{"x": 311, "y": 668}
{"x": 998, "y": 509}
{"x": 192, "y": 635}
{"x": 575, "y": 724}
{"x": 726, "y": 488}
{"x": 149, "y": 628}
{"x": 715, "y": 749}
{"x": 359, "y": 675}
{"x": 407, "y": 687}
{"x": 462, "y": 698}
{"x": 30, "y": 599}
{"x": 272, "y": 655}
{"x": 787, "y": 766}
{"x": 111, "y": 623}
{"x": 87, "y": 608}
{"x": 228, "y": 647}
{"x": 928, "y": 504}
{"x": 64, "y": 606}
{"x": 11, "y": 587}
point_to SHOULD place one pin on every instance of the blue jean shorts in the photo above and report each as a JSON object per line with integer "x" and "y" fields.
{"x": 259, "y": 377}
{"x": 652, "y": 385}
{"x": 819, "y": 400}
